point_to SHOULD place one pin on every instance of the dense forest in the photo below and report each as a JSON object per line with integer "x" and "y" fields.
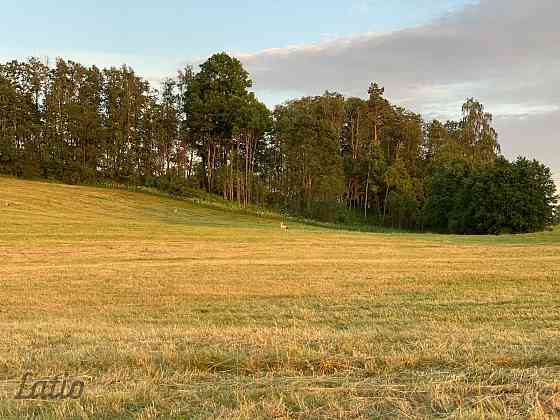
{"x": 330, "y": 158}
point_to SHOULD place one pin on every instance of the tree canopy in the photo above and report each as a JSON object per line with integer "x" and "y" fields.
{"x": 328, "y": 157}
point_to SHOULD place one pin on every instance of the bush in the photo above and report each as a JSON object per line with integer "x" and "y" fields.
{"x": 502, "y": 197}
{"x": 173, "y": 185}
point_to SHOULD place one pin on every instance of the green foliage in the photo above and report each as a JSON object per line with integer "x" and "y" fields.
{"x": 501, "y": 197}
{"x": 330, "y": 158}
{"x": 174, "y": 185}
{"x": 226, "y": 125}
{"x": 312, "y": 173}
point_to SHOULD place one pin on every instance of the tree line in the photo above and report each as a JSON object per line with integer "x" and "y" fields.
{"x": 332, "y": 158}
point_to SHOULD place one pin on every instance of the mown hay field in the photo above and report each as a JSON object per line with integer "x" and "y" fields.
{"x": 169, "y": 309}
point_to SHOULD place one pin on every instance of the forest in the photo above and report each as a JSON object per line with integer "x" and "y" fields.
{"x": 330, "y": 158}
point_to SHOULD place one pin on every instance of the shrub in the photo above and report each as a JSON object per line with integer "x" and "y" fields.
{"x": 503, "y": 197}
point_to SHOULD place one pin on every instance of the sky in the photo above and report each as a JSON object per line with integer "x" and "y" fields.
{"x": 429, "y": 54}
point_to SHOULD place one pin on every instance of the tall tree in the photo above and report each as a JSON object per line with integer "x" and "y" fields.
{"x": 213, "y": 100}
{"x": 478, "y": 137}
{"x": 310, "y": 147}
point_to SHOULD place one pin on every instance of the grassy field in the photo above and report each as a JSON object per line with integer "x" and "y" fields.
{"x": 168, "y": 309}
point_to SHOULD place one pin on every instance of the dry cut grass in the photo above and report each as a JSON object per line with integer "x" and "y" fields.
{"x": 166, "y": 309}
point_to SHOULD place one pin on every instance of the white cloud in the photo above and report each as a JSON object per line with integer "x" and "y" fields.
{"x": 504, "y": 52}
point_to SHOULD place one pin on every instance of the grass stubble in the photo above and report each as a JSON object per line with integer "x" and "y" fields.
{"x": 168, "y": 309}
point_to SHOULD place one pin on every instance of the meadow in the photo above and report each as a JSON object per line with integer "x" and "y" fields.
{"x": 173, "y": 309}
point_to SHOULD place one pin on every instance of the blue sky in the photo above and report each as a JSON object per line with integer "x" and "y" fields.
{"x": 183, "y": 30}
{"x": 158, "y": 38}
{"x": 430, "y": 55}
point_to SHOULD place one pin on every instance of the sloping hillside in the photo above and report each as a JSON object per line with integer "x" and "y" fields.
{"x": 47, "y": 209}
